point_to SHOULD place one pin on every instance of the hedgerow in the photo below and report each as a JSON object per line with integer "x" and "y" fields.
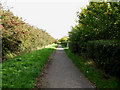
{"x": 97, "y": 35}
{"x": 19, "y": 37}
{"x": 105, "y": 54}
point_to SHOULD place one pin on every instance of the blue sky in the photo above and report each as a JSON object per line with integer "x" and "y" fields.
{"x": 54, "y": 16}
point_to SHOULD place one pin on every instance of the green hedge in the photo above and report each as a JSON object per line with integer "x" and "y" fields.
{"x": 105, "y": 54}
{"x": 19, "y": 37}
{"x": 97, "y": 26}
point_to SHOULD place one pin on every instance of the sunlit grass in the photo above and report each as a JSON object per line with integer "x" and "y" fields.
{"x": 21, "y": 72}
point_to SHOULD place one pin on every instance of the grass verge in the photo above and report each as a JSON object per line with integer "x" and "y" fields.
{"x": 22, "y": 71}
{"x": 96, "y": 76}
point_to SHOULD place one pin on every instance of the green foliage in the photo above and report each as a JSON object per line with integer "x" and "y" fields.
{"x": 105, "y": 54}
{"x": 63, "y": 40}
{"x": 97, "y": 35}
{"x": 21, "y": 72}
{"x": 96, "y": 76}
{"x": 19, "y": 37}
{"x": 100, "y": 21}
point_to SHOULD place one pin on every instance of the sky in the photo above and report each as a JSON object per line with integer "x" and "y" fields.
{"x": 54, "y": 16}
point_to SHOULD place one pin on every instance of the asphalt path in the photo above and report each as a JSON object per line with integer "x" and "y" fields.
{"x": 62, "y": 73}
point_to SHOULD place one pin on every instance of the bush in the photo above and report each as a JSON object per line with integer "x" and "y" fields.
{"x": 105, "y": 54}
{"x": 19, "y": 37}
{"x": 94, "y": 36}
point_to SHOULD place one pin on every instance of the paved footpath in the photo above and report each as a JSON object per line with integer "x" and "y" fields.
{"x": 62, "y": 73}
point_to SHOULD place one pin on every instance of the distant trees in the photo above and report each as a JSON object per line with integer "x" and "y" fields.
{"x": 64, "y": 40}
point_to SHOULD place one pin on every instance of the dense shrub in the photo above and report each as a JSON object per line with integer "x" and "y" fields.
{"x": 19, "y": 37}
{"x": 97, "y": 35}
{"x": 105, "y": 54}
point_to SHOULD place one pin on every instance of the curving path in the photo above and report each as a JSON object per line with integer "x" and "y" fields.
{"x": 62, "y": 73}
